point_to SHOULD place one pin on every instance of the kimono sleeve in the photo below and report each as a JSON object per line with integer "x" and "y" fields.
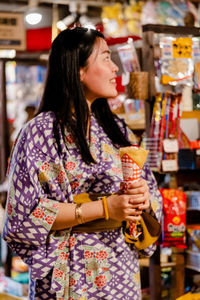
{"x": 37, "y": 183}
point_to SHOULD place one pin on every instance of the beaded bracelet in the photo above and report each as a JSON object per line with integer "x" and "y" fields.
{"x": 105, "y": 208}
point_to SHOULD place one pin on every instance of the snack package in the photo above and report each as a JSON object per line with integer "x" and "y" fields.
{"x": 128, "y": 56}
{"x": 177, "y": 65}
{"x": 174, "y": 210}
{"x": 132, "y": 159}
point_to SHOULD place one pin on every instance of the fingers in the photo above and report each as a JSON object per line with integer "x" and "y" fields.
{"x": 137, "y": 188}
{"x": 141, "y": 202}
{"x": 137, "y": 184}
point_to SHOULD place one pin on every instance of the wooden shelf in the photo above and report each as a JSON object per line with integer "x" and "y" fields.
{"x": 144, "y": 262}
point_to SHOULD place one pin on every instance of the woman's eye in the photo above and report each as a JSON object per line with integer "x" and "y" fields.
{"x": 107, "y": 57}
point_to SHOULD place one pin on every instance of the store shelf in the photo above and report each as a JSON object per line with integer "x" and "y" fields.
{"x": 193, "y": 260}
{"x": 144, "y": 262}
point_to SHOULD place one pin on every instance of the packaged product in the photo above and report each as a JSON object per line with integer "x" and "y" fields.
{"x": 177, "y": 64}
{"x": 132, "y": 15}
{"x": 128, "y": 56}
{"x": 174, "y": 218}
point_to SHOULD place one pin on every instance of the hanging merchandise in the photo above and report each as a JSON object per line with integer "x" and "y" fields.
{"x": 149, "y": 15}
{"x": 174, "y": 219}
{"x": 133, "y": 15}
{"x": 113, "y": 21}
{"x": 128, "y": 56}
{"x": 24, "y": 86}
{"x": 166, "y": 136}
{"x": 177, "y": 63}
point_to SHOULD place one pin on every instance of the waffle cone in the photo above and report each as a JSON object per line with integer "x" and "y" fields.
{"x": 137, "y": 154}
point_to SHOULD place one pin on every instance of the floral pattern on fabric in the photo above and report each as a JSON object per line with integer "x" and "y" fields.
{"x": 64, "y": 265}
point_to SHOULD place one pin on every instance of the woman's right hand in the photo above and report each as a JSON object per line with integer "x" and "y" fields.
{"x": 120, "y": 208}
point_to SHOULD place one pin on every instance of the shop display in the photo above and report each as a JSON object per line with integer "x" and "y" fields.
{"x": 171, "y": 155}
{"x": 24, "y": 86}
{"x": 166, "y": 136}
{"x": 132, "y": 85}
{"x": 125, "y": 19}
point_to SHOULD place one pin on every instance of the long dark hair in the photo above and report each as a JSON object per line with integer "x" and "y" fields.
{"x": 63, "y": 92}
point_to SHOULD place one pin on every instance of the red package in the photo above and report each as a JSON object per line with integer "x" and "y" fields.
{"x": 174, "y": 220}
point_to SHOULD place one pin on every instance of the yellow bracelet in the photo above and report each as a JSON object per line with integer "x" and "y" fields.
{"x": 105, "y": 208}
{"x": 78, "y": 213}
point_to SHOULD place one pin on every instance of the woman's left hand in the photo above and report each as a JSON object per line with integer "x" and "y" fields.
{"x": 140, "y": 196}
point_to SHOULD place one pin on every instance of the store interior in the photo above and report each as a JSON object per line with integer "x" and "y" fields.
{"x": 156, "y": 45}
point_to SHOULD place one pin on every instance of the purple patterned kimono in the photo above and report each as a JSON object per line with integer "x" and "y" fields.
{"x": 66, "y": 265}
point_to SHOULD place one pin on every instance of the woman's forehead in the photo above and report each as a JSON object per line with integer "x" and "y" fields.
{"x": 100, "y": 47}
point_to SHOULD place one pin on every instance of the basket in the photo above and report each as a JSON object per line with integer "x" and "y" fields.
{"x": 138, "y": 85}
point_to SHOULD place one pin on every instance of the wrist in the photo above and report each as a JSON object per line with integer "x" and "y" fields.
{"x": 105, "y": 207}
{"x": 79, "y": 213}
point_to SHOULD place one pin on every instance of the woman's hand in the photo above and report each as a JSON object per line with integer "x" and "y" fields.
{"x": 140, "y": 196}
{"x": 129, "y": 206}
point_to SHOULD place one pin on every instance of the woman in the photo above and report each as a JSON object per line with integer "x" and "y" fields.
{"x": 70, "y": 148}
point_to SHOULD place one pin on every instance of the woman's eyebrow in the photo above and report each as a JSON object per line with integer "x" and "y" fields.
{"x": 106, "y": 51}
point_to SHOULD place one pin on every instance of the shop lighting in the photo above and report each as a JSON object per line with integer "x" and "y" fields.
{"x": 67, "y": 21}
{"x": 63, "y": 24}
{"x": 33, "y": 16}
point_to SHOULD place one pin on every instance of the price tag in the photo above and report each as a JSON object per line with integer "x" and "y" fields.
{"x": 169, "y": 165}
{"x": 170, "y": 146}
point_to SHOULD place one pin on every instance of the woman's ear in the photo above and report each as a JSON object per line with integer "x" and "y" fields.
{"x": 82, "y": 74}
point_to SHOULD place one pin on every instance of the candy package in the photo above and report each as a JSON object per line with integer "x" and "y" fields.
{"x": 174, "y": 218}
{"x": 177, "y": 64}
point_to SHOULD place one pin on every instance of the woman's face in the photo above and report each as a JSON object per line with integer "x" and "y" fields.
{"x": 99, "y": 76}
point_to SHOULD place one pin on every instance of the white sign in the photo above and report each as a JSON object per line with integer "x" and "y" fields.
{"x": 169, "y": 165}
{"x": 170, "y": 146}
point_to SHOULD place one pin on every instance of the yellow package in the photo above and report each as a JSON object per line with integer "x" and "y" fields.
{"x": 113, "y": 21}
{"x": 189, "y": 296}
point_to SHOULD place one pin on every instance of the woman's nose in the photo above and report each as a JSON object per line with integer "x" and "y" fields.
{"x": 115, "y": 68}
